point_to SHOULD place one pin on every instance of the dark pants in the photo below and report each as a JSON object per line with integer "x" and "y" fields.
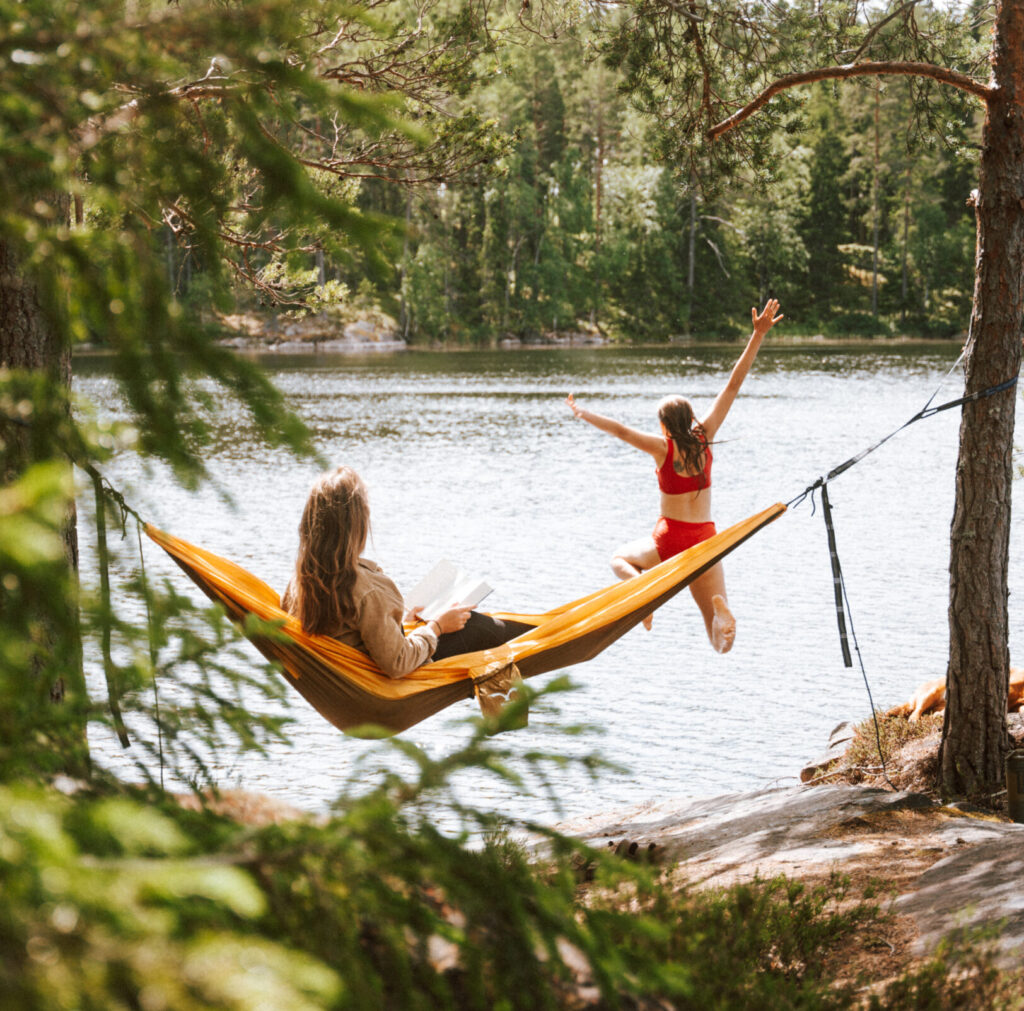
{"x": 480, "y": 632}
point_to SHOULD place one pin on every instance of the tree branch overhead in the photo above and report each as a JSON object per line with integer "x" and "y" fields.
{"x": 897, "y": 68}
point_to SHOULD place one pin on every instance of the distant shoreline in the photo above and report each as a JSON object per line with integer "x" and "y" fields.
{"x": 372, "y": 331}
{"x": 348, "y": 347}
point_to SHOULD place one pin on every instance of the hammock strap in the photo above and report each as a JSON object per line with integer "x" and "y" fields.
{"x": 837, "y": 576}
{"x": 926, "y": 412}
{"x": 844, "y": 612}
{"x": 109, "y": 667}
{"x": 844, "y": 616}
{"x": 153, "y": 655}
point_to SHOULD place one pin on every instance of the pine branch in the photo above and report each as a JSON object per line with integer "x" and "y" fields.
{"x": 888, "y": 68}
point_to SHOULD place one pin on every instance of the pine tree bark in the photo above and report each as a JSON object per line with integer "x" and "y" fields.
{"x": 31, "y": 343}
{"x": 27, "y": 341}
{"x": 975, "y": 740}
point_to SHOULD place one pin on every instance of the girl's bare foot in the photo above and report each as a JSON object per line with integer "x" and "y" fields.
{"x": 723, "y": 625}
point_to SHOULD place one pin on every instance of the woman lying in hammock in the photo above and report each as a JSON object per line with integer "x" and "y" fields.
{"x": 682, "y": 453}
{"x": 335, "y": 592}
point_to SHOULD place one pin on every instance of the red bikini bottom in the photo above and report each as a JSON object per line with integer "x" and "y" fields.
{"x": 674, "y": 536}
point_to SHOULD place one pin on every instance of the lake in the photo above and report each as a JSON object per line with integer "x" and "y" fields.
{"x": 473, "y": 456}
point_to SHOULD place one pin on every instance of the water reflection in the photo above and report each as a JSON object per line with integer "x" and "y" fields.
{"x": 473, "y": 456}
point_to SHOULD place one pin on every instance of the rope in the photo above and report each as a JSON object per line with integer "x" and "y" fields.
{"x": 867, "y": 688}
{"x": 103, "y": 488}
{"x": 152, "y": 652}
{"x": 109, "y": 667}
{"x": 100, "y": 481}
{"x": 844, "y": 613}
{"x": 926, "y": 412}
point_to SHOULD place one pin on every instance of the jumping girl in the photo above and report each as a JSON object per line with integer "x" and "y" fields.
{"x": 682, "y": 454}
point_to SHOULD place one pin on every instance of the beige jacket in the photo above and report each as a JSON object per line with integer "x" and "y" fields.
{"x": 377, "y": 630}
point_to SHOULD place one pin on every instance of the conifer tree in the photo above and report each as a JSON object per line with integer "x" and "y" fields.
{"x": 243, "y": 129}
{"x": 722, "y": 79}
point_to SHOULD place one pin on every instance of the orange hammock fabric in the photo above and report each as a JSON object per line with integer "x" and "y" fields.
{"x": 348, "y": 689}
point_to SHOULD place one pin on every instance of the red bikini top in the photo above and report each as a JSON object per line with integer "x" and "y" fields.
{"x": 672, "y": 483}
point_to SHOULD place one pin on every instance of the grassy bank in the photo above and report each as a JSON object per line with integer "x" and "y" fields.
{"x": 115, "y": 897}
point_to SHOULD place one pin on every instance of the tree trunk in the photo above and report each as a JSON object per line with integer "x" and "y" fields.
{"x": 904, "y": 287}
{"x": 404, "y": 317}
{"x": 29, "y": 343}
{"x": 691, "y": 257}
{"x": 974, "y": 739}
{"x": 874, "y": 210}
{"x": 598, "y": 198}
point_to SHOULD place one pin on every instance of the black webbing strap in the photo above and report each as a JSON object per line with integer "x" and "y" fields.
{"x": 926, "y": 412}
{"x": 837, "y": 573}
{"x": 838, "y": 586}
{"x": 837, "y": 576}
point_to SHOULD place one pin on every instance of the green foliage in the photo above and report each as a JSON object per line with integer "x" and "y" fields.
{"x": 105, "y": 902}
{"x": 597, "y": 215}
{"x": 147, "y": 148}
{"x": 536, "y": 197}
{"x": 93, "y": 107}
{"x": 778, "y": 934}
{"x": 126, "y": 899}
{"x": 39, "y": 646}
{"x": 146, "y": 145}
{"x": 98, "y": 897}
{"x": 190, "y": 654}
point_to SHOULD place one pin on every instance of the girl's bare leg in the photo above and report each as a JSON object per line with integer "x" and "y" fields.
{"x": 632, "y": 559}
{"x": 709, "y": 593}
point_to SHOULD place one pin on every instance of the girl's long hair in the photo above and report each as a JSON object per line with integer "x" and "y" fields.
{"x": 332, "y": 534}
{"x": 676, "y": 414}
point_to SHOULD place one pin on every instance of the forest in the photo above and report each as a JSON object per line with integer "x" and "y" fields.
{"x": 858, "y": 235}
{"x": 481, "y": 173}
{"x": 571, "y": 217}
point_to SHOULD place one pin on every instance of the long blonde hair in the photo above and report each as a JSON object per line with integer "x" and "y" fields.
{"x": 332, "y": 534}
{"x": 676, "y": 414}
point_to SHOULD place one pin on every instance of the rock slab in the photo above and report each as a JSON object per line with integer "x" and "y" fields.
{"x": 800, "y": 830}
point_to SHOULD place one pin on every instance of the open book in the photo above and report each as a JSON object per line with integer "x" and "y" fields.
{"x": 445, "y": 584}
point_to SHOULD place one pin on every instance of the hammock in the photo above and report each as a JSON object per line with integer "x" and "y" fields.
{"x": 348, "y": 689}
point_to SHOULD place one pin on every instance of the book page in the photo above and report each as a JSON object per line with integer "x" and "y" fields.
{"x": 444, "y": 585}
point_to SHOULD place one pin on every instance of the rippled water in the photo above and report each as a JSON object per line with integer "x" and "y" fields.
{"x": 473, "y": 456}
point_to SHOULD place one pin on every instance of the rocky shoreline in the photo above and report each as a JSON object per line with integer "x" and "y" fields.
{"x": 373, "y": 331}
{"x": 370, "y": 331}
{"x": 949, "y": 870}
{"x": 952, "y": 870}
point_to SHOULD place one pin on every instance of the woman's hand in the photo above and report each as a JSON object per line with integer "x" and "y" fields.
{"x": 764, "y": 321}
{"x": 453, "y": 619}
{"x": 574, "y": 407}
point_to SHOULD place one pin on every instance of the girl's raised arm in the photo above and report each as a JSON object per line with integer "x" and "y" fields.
{"x": 763, "y": 322}
{"x": 653, "y": 444}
